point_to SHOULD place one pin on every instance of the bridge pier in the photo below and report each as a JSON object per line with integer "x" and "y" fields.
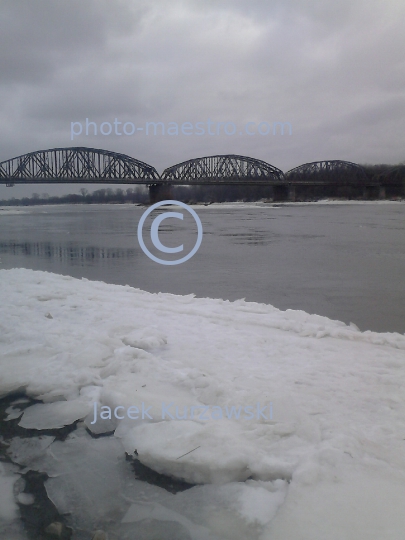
{"x": 159, "y": 192}
{"x": 291, "y": 193}
{"x": 281, "y": 193}
{"x": 371, "y": 192}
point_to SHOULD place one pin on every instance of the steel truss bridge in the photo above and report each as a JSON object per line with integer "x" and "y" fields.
{"x": 90, "y": 165}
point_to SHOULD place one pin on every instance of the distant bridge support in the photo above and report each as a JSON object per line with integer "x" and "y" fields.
{"x": 281, "y": 192}
{"x": 159, "y": 192}
{"x": 372, "y": 192}
{"x": 291, "y": 193}
{"x": 395, "y": 191}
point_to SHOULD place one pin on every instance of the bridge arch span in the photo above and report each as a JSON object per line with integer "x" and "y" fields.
{"x": 395, "y": 175}
{"x": 76, "y": 165}
{"x": 223, "y": 169}
{"x": 331, "y": 171}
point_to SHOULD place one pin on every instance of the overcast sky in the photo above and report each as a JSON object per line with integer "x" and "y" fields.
{"x": 333, "y": 69}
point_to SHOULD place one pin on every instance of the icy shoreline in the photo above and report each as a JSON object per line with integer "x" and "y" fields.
{"x": 11, "y": 210}
{"x": 337, "y": 436}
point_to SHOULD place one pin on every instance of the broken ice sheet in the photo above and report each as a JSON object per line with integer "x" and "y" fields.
{"x": 233, "y": 511}
{"x": 91, "y": 481}
{"x": 25, "y": 451}
{"x": 88, "y": 478}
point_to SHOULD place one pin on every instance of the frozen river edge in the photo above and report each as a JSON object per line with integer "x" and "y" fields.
{"x": 329, "y": 463}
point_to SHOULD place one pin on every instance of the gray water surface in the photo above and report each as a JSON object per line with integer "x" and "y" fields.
{"x": 344, "y": 261}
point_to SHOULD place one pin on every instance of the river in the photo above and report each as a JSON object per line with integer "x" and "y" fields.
{"x": 345, "y": 260}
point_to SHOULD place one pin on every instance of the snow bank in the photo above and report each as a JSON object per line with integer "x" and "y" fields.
{"x": 337, "y": 394}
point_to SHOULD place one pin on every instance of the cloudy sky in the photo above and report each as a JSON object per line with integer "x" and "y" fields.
{"x": 333, "y": 69}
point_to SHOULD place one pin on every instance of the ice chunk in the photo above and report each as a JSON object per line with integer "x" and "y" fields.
{"x": 13, "y": 413}
{"x": 203, "y": 452}
{"x": 100, "y": 427}
{"x": 54, "y": 415}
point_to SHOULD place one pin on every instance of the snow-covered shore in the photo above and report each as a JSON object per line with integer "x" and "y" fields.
{"x": 329, "y": 464}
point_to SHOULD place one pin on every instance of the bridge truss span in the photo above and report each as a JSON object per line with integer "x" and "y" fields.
{"x": 223, "y": 169}
{"x": 76, "y": 165}
{"x": 326, "y": 172}
{"x": 395, "y": 175}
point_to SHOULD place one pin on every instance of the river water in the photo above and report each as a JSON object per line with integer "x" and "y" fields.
{"x": 342, "y": 260}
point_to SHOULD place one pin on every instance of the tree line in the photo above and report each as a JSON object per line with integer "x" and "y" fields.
{"x": 140, "y": 195}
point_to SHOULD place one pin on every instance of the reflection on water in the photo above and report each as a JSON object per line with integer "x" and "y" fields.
{"x": 255, "y": 239}
{"x": 71, "y": 252}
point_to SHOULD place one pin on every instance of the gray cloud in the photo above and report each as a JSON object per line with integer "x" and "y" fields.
{"x": 333, "y": 69}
